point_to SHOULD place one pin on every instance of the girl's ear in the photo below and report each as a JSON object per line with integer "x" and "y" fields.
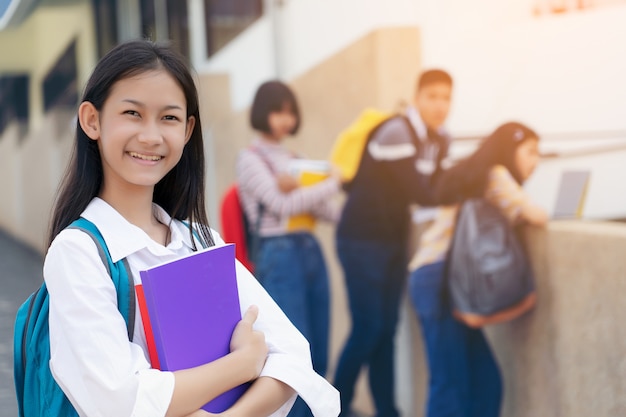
{"x": 89, "y": 119}
{"x": 191, "y": 123}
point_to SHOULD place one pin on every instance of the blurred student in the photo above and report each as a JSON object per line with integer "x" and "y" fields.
{"x": 464, "y": 376}
{"x": 401, "y": 158}
{"x": 288, "y": 262}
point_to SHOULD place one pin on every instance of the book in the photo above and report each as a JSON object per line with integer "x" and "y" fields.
{"x": 190, "y": 307}
{"x": 308, "y": 172}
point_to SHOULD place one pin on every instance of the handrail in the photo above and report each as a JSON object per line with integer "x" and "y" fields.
{"x": 618, "y": 136}
{"x": 560, "y": 136}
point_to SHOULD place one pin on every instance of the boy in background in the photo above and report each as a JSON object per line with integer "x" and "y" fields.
{"x": 401, "y": 160}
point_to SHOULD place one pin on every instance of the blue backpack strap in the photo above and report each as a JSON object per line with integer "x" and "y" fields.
{"x": 118, "y": 271}
{"x": 195, "y": 234}
{"x": 37, "y": 392}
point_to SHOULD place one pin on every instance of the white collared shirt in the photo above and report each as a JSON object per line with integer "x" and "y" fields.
{"x": 101, "y": 372}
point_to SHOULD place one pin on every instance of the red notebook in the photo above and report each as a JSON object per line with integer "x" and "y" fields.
{"x": 189, "y": 309}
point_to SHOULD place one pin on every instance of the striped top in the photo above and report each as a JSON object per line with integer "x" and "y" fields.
{"x": 502, "y": 191}
{"x": 256, "y": 170}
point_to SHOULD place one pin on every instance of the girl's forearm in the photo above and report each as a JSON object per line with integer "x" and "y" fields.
{"x": 535, "y": 215}
{"x": 195, "y": 387}
{"x": 264, "y": 396}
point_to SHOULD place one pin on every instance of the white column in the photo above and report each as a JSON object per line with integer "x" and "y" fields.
{"x": 160, "y": 20}
{"x": 128, "y": 20}
{"x": 197, "y": 32}
{"x": 274, "y": 9}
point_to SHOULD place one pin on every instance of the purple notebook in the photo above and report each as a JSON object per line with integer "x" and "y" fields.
{"x": 193, "y": 304}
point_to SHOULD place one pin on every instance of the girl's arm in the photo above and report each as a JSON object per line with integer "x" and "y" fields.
{"x": 265, "y": 396}
{"x": 504, "y": 192}
{"x": 256, "y": 179}
{"x": 534, "y": 215}
{"x": 99, "y": 370}
{"x": 197, "y": 386}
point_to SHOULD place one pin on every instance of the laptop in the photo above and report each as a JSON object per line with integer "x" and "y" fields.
{"x": 571, "y": 194}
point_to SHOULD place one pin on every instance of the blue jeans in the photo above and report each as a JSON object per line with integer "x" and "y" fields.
{"x": 464, "y": 376}
{"x": 292, "y": 269}
{"x": 375, "y": 275}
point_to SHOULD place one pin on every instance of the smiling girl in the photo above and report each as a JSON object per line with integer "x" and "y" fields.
{"x": 137, "y": 173}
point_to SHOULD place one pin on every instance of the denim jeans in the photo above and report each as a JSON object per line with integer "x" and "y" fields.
{"x": 464, "y": 376}
{"x": 292, "y": 270}
{"x": 375, "y": 275}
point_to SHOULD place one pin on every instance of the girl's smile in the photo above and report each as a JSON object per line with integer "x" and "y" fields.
{"x": 144, "y": 157}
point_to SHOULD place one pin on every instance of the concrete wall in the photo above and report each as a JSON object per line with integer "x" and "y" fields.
{"x": 566, "y": 358}
{"x": 30, "y": 170}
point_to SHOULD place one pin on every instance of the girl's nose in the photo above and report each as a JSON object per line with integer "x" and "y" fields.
{"x": 150, "y": 133}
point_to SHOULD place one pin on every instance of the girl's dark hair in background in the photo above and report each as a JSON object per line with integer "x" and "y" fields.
{"x": 468, "y": 178}
{"x": 270, "y": 97}
{"x": 181, "y": 192}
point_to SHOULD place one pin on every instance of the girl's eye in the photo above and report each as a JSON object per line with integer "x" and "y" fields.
{"x": 131, "y": 112}
{"x": 171, "y": 117}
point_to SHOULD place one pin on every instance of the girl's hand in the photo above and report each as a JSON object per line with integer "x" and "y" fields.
{"x": 286, "y": 183}
{"x": 336, "y": 173}
{"x": 249, "y": 344}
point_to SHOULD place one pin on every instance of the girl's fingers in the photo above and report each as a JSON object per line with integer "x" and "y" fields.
{"x": 251, "y": 315}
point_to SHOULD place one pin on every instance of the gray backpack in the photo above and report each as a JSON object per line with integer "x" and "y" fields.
{"x": 488, "y": 274}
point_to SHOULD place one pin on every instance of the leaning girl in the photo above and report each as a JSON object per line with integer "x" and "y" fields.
{"x": 464, "y": 376}
{"x": 137, "y": 172}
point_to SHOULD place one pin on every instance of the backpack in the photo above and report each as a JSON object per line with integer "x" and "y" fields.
{"x": 489, "y": 278}
{"x": 38, "y": 394}
{"x": 349, "y": 145}
{"x": 235, "y": 226}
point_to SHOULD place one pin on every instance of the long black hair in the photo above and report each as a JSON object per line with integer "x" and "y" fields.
{"x": 468, "y": 178}
{"x": 181, "y": 192}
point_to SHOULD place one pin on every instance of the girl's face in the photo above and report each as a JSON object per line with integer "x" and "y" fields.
{"x": 527, "y": 157}
{"x": 282, "y": 122}
{"x": 141, "y": 129}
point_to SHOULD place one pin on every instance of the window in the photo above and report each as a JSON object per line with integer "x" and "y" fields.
{"x": 60, "y": 85}
{"x": 225, "y": 19}
{"x": 105, "y": 16}
{"x": 13, "y": 100}
{"x": 166, "y": 19}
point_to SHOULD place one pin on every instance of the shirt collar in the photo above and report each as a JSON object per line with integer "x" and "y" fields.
{"x": 418, "y": 124}
{"x": 260, "y": 142}
{"x": 124, "y": 238}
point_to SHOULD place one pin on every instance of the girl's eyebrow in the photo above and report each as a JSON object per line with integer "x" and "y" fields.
{"x": 140, "y": 104}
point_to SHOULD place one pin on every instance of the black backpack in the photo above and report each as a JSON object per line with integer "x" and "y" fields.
{"x": 489, "y": 277}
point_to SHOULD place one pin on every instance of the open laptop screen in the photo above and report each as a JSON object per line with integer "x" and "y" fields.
{"x": 570, "y": 199}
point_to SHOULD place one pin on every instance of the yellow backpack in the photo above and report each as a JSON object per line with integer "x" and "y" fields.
{"x": 348, "y": 148}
